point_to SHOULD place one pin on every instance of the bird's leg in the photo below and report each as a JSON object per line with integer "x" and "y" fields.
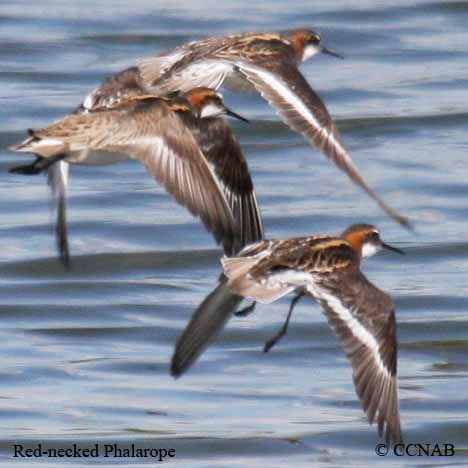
{"x": 246, "y": 310}
{"x": 38, "y": 166}
{"x": 272, "y": 341}
{"x": 29, "y": 169}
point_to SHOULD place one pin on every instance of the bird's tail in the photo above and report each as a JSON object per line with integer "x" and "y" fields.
{"x": 44, "y": 147}
{"x": 205, "y": 325}
{"x": 25, "y": 145}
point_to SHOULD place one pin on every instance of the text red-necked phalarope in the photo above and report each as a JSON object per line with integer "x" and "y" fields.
{"x": 183, "y": 141}
{"x": 266, "y": 61}
{"x": 328, "y": 269}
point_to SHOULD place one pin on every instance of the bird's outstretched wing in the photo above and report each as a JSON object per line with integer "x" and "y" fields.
{"x": 224, "y": 154}
{"x": 207, "y": 74}
{"x": 57, "y": 178}
{"x": 205, "y": 325}
{"x": 363, "y": 319}
{"x": 185, "y": 67}
{"x": 148, "y": 129}
{"x": 118, "y": 87}
{"x": 160, "y": 140}
{"x": 285, "y": 88}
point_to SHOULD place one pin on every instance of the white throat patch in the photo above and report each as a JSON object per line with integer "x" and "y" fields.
{"x": 309, "y": 51}
{"x": 211, "y": 111}
{"x": 369, "y": 249}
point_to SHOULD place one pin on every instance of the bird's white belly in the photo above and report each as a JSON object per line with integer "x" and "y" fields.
{"x": 96, "y": 157}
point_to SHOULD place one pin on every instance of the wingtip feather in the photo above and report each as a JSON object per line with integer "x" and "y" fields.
{"x": 205, "y": 325}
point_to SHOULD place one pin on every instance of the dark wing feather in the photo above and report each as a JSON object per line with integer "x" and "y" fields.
{"x": 205, "y": 325}
{"x": 119, "y": 87}
{"x": 363, "y": 319}
{"x": 223, "y": 152}
{"x": 157, "y": 137}
{"x": 284, "y": 87}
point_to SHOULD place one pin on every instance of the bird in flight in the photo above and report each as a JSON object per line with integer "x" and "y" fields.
{"x": 183, "y": 141}
{"x": 267, "y": 62}
{"x": 327, "y": 269}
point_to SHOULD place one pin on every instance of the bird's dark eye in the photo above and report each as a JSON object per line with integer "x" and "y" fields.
{"x": 315, "y": 39}
{"x": 375, "y": 236}
{"x": 173, "y": 94}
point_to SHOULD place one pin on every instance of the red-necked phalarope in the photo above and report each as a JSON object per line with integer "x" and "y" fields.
{"x": 266, "y": 61}
{"x": 184, "y": 143}
{"x": 328, "y": 269}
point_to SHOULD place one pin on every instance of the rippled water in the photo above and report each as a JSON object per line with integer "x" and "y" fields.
{"x": 85, "y": 353}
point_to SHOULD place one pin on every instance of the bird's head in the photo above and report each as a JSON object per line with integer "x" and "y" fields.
{"x": 308, "y": 43}
{"x": 209, "y": 103}
{"x": 366, "y": 240}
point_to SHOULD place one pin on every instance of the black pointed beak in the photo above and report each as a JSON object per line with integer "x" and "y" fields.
{"x": 236, "y": 116}
{"x": 393, "y": 249}
{"x": 324, "y": 50}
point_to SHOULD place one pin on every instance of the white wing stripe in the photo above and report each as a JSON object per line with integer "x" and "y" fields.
{"x": 285, "y": 92}
{"x": 289, "y": 96}
{"x": 352, "y": 323}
